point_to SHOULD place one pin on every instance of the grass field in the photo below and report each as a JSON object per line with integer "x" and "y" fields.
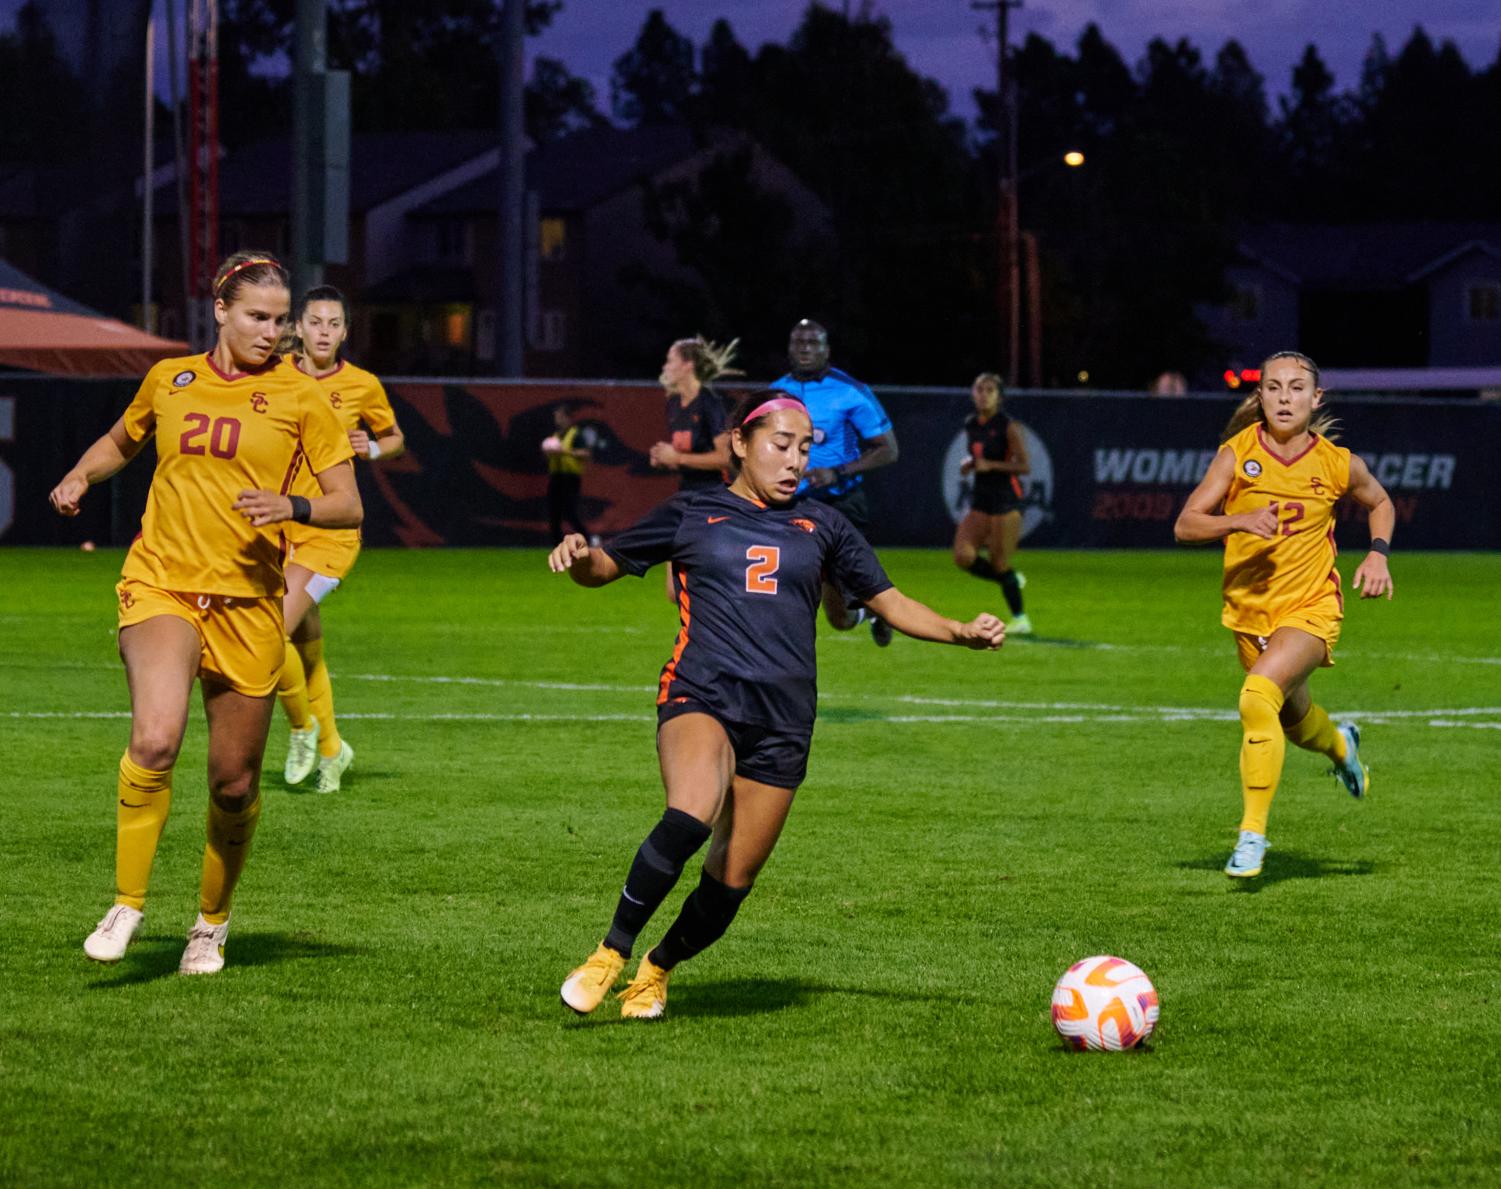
{"x": 879, "y": 1013}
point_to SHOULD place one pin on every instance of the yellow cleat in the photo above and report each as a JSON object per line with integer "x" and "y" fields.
{"x": 586, "y": 987}
{"x": 645, "y": 996}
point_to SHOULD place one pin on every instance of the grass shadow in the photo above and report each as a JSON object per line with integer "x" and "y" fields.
{"x": 1283, "y": 865}
{"x": 728, "y": 998}
{"x": 157, "y": 958}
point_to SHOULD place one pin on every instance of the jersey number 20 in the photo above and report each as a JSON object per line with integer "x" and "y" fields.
{"x": 223, "y": 435}
{"x": 760, "y": 575}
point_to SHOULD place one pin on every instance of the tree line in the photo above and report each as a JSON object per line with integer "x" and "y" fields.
{"x": 1183, "y": 149}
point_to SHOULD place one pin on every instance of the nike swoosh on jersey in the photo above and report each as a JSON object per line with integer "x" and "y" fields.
{"x": 717, "y": 519}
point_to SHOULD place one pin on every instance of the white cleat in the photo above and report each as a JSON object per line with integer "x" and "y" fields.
{"x": 302, "y": 754}
{"x": 205, "y": 950}
{"x": 107, "y": 943}
{"x": 1019, "y": 625}
{"x": 331, "y": 769}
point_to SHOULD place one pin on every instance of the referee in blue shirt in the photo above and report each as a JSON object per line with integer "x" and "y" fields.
{"x": 852, "y": 435}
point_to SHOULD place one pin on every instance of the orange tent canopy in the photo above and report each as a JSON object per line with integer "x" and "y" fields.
{"x": 43, "y": 331}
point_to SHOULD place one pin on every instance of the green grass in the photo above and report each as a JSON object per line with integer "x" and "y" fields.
{"x": 879, "y": 1013}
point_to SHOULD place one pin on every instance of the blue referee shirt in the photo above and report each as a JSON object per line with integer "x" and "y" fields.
{"x": 845, "y": 413}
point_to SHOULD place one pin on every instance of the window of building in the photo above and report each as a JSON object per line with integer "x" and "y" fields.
{"x": 456, "y": 326}
{"x": 1245, "y": 303}
{"x": 1483, "y": 302}
{"x": 554, "y": 336}
{"x": 553, "y": 240}
{"x": 451, "y": 240}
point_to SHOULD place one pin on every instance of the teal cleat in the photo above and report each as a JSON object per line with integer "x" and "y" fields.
{"x": 1354, "y": 775}
{"x": 1245, "y": 859}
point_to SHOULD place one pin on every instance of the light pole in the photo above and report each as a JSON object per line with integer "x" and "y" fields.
{"x": 1008, "y": 308}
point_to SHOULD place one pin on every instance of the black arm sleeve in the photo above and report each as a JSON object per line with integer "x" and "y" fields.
{"x": 649, "y": 541}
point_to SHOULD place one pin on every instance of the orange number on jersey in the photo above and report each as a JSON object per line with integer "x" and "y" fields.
{"x": 223, "y": 436}
{"x": 760, "y": 575}
{"x": 1295, "y": 514}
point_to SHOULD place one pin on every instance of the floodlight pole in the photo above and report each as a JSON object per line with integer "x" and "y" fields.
{"x": 511, "y": 201}
{"x": 1008, "y": 225}
{"x": 310, "y": 59}
{"x": 148, "y": 246}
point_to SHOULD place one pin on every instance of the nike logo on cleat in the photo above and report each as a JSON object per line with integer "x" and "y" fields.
{"x": 129, "y": 805}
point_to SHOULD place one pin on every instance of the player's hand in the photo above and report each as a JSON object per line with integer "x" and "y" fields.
{"x": 967, "y": 466}
{"x": 66, "y": 495}
{"x": 1373, "y": 577}
{"x": 360, "y": 440}
{"x": 985, "y": 632}
{"x": 664, "y": 456}
{"x": 822, "y": 476}
{"x": 572, "y": 548}
{"x": 263, "y": 507}
{"x": 1260, "y": 523}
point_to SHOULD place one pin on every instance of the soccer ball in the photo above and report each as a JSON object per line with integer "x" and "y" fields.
{"x": 1104, "y": 1003}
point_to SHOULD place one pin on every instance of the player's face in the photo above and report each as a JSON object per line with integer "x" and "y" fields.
{"x": 251, "y": 326}
{"x": 774, "y": 457}
{"x": 323, "y": 328}
{"x": 676, "y": 371}
{"x": 986, "y": 395}
{"x": 1288, "y": 395}
{"x": 808, "y": 349}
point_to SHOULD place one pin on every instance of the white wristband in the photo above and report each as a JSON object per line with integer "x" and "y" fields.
{"x": 374, "y": 450}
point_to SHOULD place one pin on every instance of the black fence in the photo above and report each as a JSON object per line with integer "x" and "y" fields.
{"x": 1107, "y": 470}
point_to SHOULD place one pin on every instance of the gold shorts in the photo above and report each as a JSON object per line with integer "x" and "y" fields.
{"x": 324, "y": 553}
{"x": 242, "y": 638}
{"x": 1250, "y": 646}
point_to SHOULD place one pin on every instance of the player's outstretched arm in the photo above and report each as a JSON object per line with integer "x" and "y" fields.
{"x": 1201, "y": 519}
{"x": 585, "y": 565}
{"x": 101, "y": 460}
{"x": 921, "y": 622}
{"x": 1373, "y": 577}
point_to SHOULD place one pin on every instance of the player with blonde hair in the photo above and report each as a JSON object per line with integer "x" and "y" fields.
{"x": 1270, "y": 495}
{"x": 319, "y": 559}
{"x": 200, "y": 591}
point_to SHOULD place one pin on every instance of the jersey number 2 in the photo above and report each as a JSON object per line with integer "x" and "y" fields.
{"x": 760, "y": 575}
{"x": 223, "y": 435}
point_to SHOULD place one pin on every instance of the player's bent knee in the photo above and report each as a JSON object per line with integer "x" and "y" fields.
{"x": 155, "y": 750}
{"x": 235, "y": 791}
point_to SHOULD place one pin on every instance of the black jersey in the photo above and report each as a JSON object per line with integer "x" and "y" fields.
{"x": 691, "y": 429}
{"x": 750, "y": 579}
{"x": 988, "y": 440}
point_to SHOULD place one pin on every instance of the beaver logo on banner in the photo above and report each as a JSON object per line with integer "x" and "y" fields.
{"x": 1037, "y": 486}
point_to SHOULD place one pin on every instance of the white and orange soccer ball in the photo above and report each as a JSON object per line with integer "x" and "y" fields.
{"x": 1104, "y": 1003}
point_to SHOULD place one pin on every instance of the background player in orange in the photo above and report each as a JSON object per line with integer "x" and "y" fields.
{"x": 200, "y": 592}
{"x": 997, "y": 456}
{"x": 736, "y": 703}
{"x": 1269, "y": 495}
{"x": 318, "y": 559}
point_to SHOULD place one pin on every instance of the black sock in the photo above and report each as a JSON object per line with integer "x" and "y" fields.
{"x": 705, "y": 915}
{"x": 656, "y": 867}
{"x": 981, "y": 568}
{"x": 1012, "y": 589}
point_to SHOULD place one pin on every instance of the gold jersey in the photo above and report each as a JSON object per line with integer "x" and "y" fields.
{"x": 1291, "y": 573}
{"x": 355, "y": 397}
{"x": 216, "y": 436}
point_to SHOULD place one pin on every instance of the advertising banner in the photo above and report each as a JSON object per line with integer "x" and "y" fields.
{"x": 1106, "y": 471}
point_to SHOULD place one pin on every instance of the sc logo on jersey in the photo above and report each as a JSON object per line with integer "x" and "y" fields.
{"x": 1037, "y": 486}
{"x": 1252, "y": 468}
{"x": 183, "y": 379}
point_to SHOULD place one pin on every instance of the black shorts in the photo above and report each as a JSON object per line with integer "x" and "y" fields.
{"x": 993, "y": 501}
{"x": 766, "y": 754}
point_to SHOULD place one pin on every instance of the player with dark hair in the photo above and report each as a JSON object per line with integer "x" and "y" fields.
{"x": 1270, "y": 495}
{"x": 852, "y": 435}
{"x": 736, "y": 701}
{"x": 200, "y": 591}
{"x": 319, "y": 559}
{"x": 997, "y": 456}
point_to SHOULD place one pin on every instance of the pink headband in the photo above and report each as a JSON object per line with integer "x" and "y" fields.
{"x": 773, "y": 405}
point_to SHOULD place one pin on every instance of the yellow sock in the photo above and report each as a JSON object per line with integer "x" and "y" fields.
{"x": 292, "y": 691}
{"x": 1315, "y": 732}
{"x": 1262, "y": 748}
{"x": 145, "y": 797}
{"x": 224, "y": 856}
{"x": 320, "y": 696}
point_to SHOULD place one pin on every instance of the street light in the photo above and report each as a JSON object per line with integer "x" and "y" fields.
{"x": 1019, "y": 259}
